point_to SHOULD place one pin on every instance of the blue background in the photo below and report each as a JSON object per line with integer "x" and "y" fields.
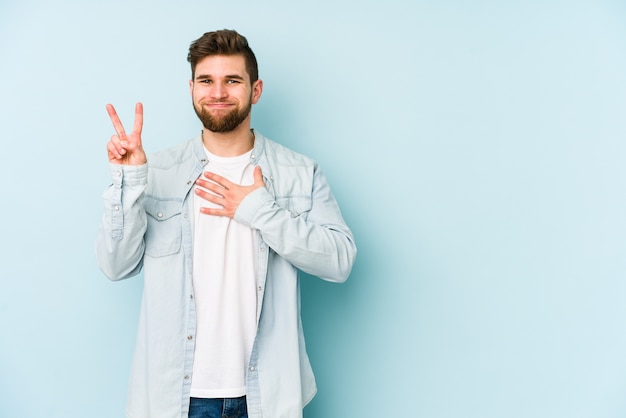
{"x": 477, "y": 150}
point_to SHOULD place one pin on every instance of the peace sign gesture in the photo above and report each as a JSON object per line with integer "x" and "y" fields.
{"x": 126, "y": 148}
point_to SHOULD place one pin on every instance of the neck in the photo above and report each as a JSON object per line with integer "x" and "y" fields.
{"x": 229, "y": 144}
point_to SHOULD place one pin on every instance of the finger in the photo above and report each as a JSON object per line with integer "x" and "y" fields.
{"x": 117, "y": 123}
{"x": 216, "y": 189}
{"x": 222, "y": 181}
{"x": 118, "y": 144}
{"x": 138, "y": 119}
{"x": 114, "y": 157}
{"x": 258, "y": 176}
{"x": 212, "y": 211}
{"x": 210, "y": 196}
{"x": 115, "y": 149}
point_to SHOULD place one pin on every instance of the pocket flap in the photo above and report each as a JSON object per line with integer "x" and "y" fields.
{"x": 162, "y": 210}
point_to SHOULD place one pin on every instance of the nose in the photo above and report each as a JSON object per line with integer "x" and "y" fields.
{"x": 219, "y": 91}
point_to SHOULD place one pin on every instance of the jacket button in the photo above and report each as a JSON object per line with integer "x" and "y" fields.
{"x": 159, "y": 215}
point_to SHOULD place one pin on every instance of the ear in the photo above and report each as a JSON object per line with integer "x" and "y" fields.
{"x": 257, "y": 89}
{"x": 191, "y": 87}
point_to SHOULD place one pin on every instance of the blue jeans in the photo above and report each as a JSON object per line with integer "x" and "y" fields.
{"x": 218, "y": 408}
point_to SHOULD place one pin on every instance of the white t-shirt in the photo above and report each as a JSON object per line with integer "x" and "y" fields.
{"x": 225, "y": 291}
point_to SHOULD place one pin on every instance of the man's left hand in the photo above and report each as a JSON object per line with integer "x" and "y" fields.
{"x": 217, "y": 189}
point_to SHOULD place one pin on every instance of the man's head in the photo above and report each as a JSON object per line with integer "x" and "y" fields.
{"x": 223, "y": 42}
{"x": 224, "y": 83}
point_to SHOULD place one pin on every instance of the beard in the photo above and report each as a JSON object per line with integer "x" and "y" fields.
{"x": 227, "y": 123}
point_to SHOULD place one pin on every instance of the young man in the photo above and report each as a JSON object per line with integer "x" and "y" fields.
{"x": 220, "y": 225}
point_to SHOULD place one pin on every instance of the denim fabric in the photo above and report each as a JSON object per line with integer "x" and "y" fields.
{"x": 147, "y": 224}
{"x": 218, "y": 408}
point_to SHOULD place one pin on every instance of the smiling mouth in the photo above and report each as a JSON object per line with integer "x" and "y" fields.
{"x": 215, "y": 105}
{"x": 219, "y": 104}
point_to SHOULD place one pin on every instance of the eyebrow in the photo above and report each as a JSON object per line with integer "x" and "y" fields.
{"x": 230, "y": 77}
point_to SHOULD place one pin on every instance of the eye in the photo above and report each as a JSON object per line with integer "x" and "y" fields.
{"x": 205, "y": 81}
{"x": 232, "y": 82}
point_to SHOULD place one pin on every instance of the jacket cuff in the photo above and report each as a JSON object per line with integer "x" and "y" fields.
{"x": 129, "y": 175}
{"x": 251, "y": 204}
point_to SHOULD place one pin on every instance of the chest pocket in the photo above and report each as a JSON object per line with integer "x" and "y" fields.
{"x": 292, "y": 189}
{"x": 164, "y": 233}
{"x": 297, "y": 205}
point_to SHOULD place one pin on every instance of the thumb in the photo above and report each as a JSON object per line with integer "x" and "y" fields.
{"x": 258, "y": 176}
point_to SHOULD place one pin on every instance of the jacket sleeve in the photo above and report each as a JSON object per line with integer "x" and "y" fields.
{"x": 317, "y": 242}
{"x": 120, "y": 240}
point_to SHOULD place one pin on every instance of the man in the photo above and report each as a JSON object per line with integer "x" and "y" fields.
{"x": 220, "y": 225}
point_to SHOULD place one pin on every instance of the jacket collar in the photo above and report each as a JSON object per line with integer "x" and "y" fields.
{"x": 257, "y": 151}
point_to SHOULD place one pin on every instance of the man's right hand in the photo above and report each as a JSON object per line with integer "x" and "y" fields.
{"x": 126, "y": 148}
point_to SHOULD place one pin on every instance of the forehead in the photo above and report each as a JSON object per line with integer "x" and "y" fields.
{"x": 221, "y": 66}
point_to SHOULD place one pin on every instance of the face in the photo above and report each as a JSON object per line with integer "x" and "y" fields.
{"x": 222, "y": 93}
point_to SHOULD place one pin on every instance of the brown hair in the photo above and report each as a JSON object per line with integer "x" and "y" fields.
{"x": 223, "y": 42}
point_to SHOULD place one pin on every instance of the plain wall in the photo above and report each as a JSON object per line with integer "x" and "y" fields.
{"x": 477, "y": 151}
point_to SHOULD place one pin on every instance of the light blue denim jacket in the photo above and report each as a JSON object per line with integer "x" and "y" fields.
{"x": 148, "y": 223}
